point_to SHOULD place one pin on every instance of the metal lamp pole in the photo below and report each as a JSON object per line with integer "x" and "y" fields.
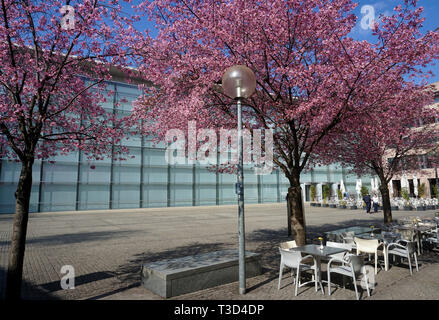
{"x": 240, "y": 192}
{"x": 238, "y": 83}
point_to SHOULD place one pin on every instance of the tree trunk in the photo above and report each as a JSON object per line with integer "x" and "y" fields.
{"x": 387, "y": 209}
{"x": 18, "y": 241}
{"x": 297, "y": 213}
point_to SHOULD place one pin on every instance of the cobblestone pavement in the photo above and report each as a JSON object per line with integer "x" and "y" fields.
{"x": 106, "y": 249}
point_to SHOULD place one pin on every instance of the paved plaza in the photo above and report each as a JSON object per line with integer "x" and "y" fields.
{"x": 106, "y": 249}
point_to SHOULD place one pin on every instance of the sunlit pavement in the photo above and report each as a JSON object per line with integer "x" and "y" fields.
{"x": 106, "y": 249}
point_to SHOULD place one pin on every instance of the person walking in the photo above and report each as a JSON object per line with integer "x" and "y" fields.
{"x": 367, "y": 200}
{"x": 375, "y": 202}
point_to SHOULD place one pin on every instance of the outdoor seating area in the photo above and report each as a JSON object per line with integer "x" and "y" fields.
{"x": 357, "y": 252}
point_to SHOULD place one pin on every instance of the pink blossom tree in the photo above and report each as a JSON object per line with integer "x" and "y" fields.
{"x": 310, "y": 74}
{"x": 54, "y": 59}
{"x": 388, "y": 137}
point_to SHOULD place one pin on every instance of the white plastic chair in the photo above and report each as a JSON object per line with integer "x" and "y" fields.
{"x": 348, "y": 237}
{"x": 403, "y": 249}
{"x": 288, "y": 244}
{"x": 433, "y": 236}
{"x": 293, "y": 259}
{"x": 371, "y": 246}
{"x": 352, "y": 266}
{"x": 347, "y": 246}
{"x": 411, "y": 236}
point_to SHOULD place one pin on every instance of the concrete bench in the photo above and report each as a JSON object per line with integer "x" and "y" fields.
{"x": 169, "y": 278}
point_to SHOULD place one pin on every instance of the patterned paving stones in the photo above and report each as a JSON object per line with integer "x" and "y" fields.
{"x": 106, "y": 249}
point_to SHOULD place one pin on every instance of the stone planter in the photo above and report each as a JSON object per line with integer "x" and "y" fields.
{"x": 353, "y": 207}
{"x": 394, "y": 208}
{"x": 408, "y": 208}
{"x": 333, "y": 206}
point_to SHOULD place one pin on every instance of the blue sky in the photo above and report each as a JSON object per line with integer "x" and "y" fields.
{"x": 431, "y": 13}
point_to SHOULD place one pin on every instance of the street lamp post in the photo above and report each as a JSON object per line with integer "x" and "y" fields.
{"x": 239, "y": 83}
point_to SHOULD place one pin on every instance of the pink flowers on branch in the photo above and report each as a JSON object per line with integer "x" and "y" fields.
{"x": 311, "y": 76}
{"x": 54, "y": 59}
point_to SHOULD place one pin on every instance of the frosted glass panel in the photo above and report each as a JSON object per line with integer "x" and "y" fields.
{"x": 126, "y": 196}
{"x": 125, "y": 174}
{"x": 154, "y": 157}
{"x": 205, "y": 176}
{"x": 306, "y": 176}
{"x": 269, "y": 193}
{"x": 59, "y": 173}
{"x": 206, "y": 195}
{"x": 132, "y": 140}
{"x": 125, "y": 100}
{"x": 161, "y": 185}
{"x": 58, "y": 197}
{"x": 181, "y": 175}
{"x": 227, "y": 178}
{"x": 10, "y": 171}
{"x": 320, "y": 175}
{"x": 94, "y": 196}
{"x": 155, "y": 175}
{"x": 134, "y": 157}
{"x": 227, "y": 195}
{"x": 100, "y": 174}
{"x": 250, "y": 176}
{"x": 269, "y": 187}
{"x": 7, "y": 198}
{"x": 70, "y": 157}
{"x": 154, "y": 196}
{"x": 250, "y": 193}
{"x": 181, "y": 195}
{"x": 124, "y": 90}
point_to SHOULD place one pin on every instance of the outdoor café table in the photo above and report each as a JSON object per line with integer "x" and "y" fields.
{"x": 379, "y": 236}
{"x": 336, "y": 235}
{"x": 318, "y": 254}
{"x": 388, "y": 238}
{"x": 419, "y": 231}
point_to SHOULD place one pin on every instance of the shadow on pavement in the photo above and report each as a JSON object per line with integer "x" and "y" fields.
{"x": 70, "y": 238}
{"x": 29, "y": 291}
{"x": 129, "y": 274}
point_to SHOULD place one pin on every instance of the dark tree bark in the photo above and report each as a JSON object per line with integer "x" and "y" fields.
{"x": 387, "y": 209}
{"x": 18, "y": 241}
{"x": 297, "y": 213}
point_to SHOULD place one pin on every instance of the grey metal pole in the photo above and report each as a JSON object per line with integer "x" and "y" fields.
{"x": 240, "y": 191}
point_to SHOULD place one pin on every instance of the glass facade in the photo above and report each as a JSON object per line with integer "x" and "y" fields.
{"x": 69, "y": 183}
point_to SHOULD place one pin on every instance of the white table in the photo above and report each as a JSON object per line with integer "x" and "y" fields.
{"x": 318, "y": 254}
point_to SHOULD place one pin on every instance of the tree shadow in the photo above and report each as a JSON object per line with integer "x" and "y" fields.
{"x": 129, "y": 273}
{"x": 70, "y": 238}
{"x": 29, "y": 291}
{"x": 79, "y": 280}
